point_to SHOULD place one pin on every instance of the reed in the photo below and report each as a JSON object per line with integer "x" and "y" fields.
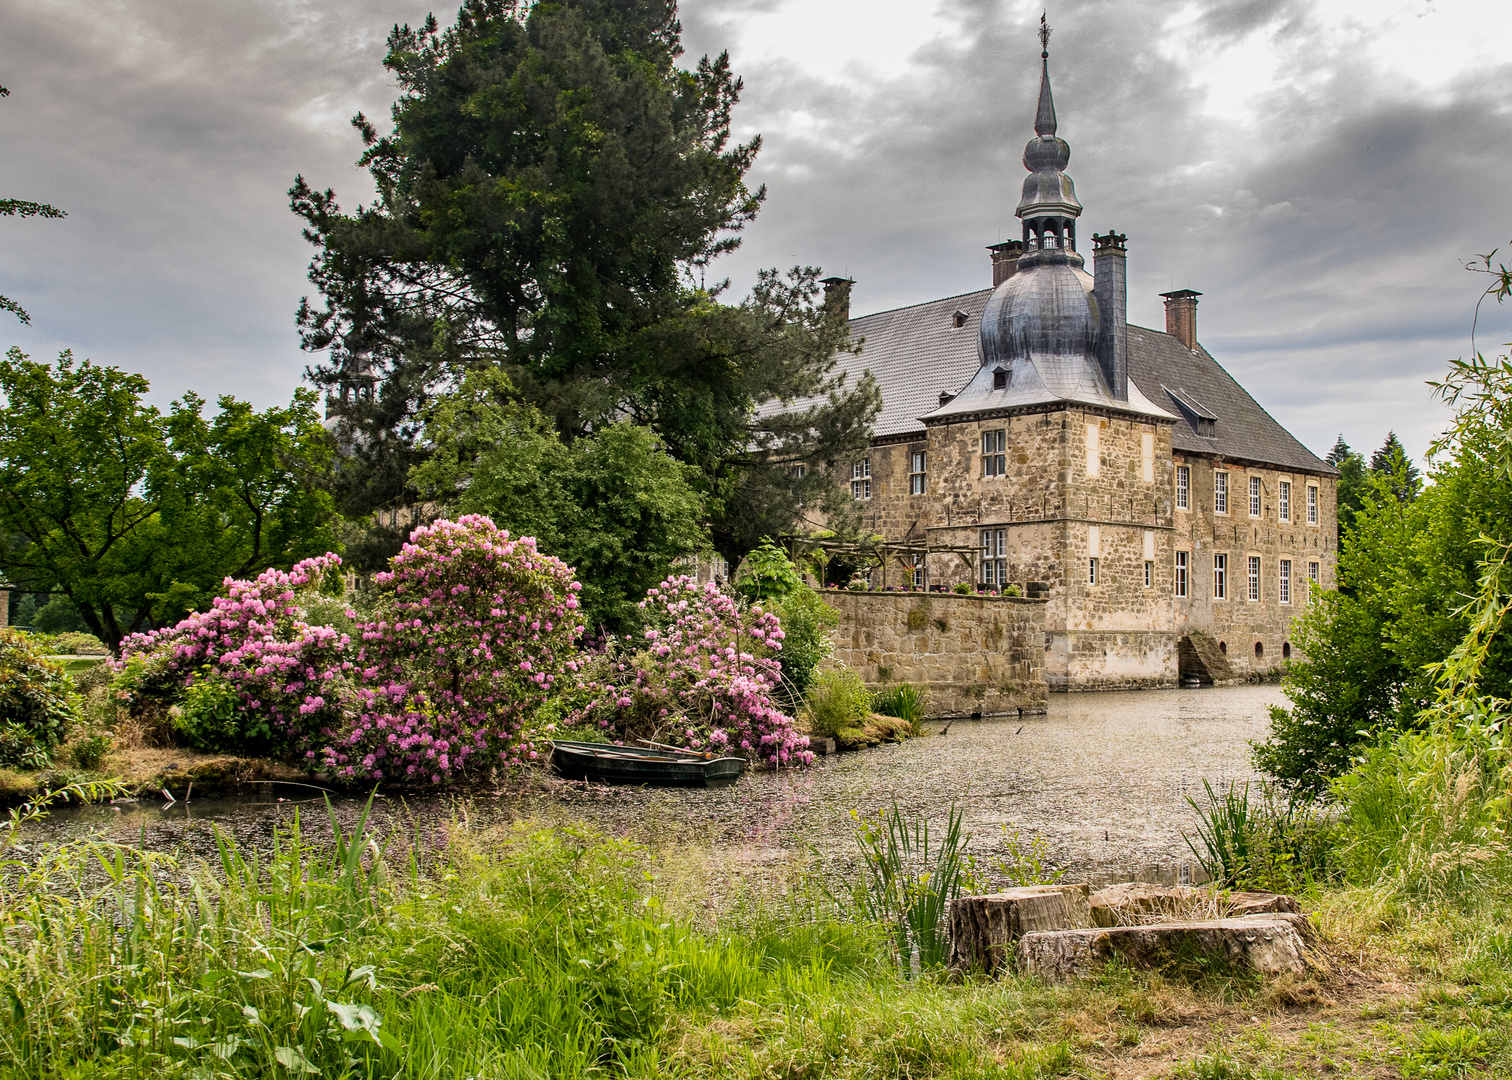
{"x": 909, "y": 880}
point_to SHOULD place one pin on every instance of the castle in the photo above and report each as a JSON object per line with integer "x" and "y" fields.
{"x": 1029, "y": 436}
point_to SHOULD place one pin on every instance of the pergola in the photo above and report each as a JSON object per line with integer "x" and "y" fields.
{"x": 906, "y": 554}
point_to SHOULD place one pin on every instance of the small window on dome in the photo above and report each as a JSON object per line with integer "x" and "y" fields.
{"x": 1000, "y": 378}
{"x": 958, "y": 319}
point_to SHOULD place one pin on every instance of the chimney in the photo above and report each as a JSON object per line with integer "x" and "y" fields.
{"x": 1181, "y": 316}
{"x": 837, "y": 295}
{"x": 1005, "y": 257}
{"x": 1110, "y": 286}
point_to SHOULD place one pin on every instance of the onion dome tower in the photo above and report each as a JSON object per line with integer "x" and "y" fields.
{"x": 1049, "y": 331}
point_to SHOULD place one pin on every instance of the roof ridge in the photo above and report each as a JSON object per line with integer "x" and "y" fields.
{"x": 921, "y": 303}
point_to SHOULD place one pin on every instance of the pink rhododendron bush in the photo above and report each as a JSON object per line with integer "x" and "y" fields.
{"x": 472, "y": 630}
{"x": 702, "y": 677}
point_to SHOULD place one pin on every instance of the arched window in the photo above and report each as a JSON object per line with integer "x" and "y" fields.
{"x": 1259, "y": 650}
{"x": 1286, "y": 650}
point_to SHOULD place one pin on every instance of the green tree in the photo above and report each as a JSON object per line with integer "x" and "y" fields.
{"x": 1352, "y": 485}
{"x": 612, "y": 504}
{"x": 550, "y": 197}
{"x": 135, "y": 516}
{"x": 23, "y": 209}
{"x": 1392, "y": 462}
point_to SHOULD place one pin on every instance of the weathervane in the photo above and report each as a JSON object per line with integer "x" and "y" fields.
{"x": 1044, "y": 36}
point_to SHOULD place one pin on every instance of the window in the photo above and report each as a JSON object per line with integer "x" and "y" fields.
{"x": 1254, "y": 579}
{"x": 916, "y": 473}
{"x": 1254, "y": 496}
{"x": 1181, "y": 573}
{"x": 1220, "y": 493}
{"x": 1283, "y": 500}
{"x": 958, "y": 319}
{"x": 1183, "y": 487}
{"x": 918, "y": 571}
{"x": 994, "y": 462}
{"x": 1284, "y": 581}
{"x": 1220, "y": 577}
{"x": 1092, "y": 571}
{"x": 1312, "y": 504}
{"x": 861, "y": 479}
{"x": 994, "y": 562}
{"x": 1000, "y": 378}
{"x": 1312, "y": 573}
{"x": 1149, "y": 573}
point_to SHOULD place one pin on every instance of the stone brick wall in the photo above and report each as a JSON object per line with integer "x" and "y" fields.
{"x": 1254, "y": 635}
{"x": 973, "y": 654}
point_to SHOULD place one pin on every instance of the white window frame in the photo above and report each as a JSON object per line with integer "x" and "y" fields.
{"x": 1149, "y": 573}
{"x": 1253, "y": 566}
{"x": 1183, "y": 565}
{"x": 916, "y": 472}
{"x": 1312, "y": 504}
{"x": 1256, "y": 493}
{"x": 1220, "y": 491}
{"x": 1220, "y": 576}
{"x": 918, "y": 571}
{"x": 861, "y": 480}
{"x": 1314, "y": 574}
{"x": 1183, "y": 487}
{"x": 1283, "y": 581}
{"x": 1283, "y": 499}
{"x": 994, "y": 557}
{"x": 994, "y": 452}
{"x": 1092, "y": 570}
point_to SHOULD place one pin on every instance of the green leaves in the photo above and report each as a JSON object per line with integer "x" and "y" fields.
{"x": 133, "y": 514}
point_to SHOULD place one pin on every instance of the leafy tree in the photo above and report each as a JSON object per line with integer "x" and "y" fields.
{"x": 1392, "y": 462}
{"x": 1352, "y": 485}
{"x": 132, "y": 515}
{"x": 23, "y": 209}
{"x": 612, "y": 504}
{"x": 549, "y": 199}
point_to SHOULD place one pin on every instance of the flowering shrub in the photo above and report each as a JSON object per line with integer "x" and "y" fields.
{"x": 473, "y": 631}
{"x": 290, "y": 680}
{"x": 476, "y": 630}
{"x": 703, "y": 679}
{"x": 37, "y": 703}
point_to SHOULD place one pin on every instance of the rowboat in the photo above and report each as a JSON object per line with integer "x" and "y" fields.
{"x": 664, "y": 766}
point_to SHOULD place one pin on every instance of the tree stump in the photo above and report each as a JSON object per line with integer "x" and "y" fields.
{"x": 984, "y": 929}
{"x": 1265, "y": 945}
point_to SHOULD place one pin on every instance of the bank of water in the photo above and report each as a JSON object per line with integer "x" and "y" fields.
{"x": 1104, "y": 778}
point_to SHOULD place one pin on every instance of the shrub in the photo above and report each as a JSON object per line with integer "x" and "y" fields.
{"x": 1250, "y": 837}
{"x": 838, "y": 701}
{"x": 806, "y": 621}
{"x": 37, "y": 703}
{"x": 961, "y": 587}
{"x": 766, "y": 573}
{"x": 694, "y": 683}
{"x": 211, "y": 717}
{"x": 905, "y": 701}
{"x": 89, "y": 751}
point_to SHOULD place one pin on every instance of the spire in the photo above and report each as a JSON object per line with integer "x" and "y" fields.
{"x": 1049, "y": 207}
{"x": 1044, "y": 120}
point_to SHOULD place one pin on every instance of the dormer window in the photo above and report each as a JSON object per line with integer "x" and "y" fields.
{"x": 958, "y": 319}
{"x": 1000, "y": 378}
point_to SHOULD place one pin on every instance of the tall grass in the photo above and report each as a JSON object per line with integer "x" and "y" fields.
{"x": 1249, "y": 837}
{"x": 905, "y": 701}
{"x": 910, "y": 880}
{"x": 523, "y": 952}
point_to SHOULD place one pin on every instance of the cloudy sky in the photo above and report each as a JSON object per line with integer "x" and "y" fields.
{"x": 1319, "y": 169}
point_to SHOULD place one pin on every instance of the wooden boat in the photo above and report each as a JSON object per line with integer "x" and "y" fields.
{"x": 606, "y": 763}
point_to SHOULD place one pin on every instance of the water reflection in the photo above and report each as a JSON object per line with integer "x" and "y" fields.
{"x": 1103, "y": 777}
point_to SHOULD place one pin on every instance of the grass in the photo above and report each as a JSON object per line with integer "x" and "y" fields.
{"x": 539, "y": 951}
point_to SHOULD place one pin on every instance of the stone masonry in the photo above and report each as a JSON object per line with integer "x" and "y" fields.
{"x": 972, "y": 654}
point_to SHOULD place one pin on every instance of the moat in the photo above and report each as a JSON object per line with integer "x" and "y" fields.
{"x": 1102, "y": 777}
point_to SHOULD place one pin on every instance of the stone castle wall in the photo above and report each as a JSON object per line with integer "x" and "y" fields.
{"x": 1253, "y": 635}
{"x": 973, "y": 654}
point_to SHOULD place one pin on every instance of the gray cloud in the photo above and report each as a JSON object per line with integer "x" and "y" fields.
{"x": 1326, "y": 229}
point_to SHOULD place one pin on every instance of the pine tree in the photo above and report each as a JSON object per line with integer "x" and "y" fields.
{"x": 1392, "y": 463}
{"x": 551, "y": 195}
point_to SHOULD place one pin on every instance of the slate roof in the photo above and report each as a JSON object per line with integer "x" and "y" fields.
{"x": 917, "y": 352}
{"x": 1194, "y": 385}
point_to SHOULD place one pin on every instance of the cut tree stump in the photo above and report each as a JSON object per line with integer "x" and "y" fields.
{"x": 1262, "y": 944}
{"x": 983, "y": 929}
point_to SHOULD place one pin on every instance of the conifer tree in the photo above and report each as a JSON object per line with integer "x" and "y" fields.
{"x": 550, "y": 199}
{"x": 1392, "y": 463}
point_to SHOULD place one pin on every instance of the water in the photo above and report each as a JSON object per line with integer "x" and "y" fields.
{"x": 1102, "y": 777}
